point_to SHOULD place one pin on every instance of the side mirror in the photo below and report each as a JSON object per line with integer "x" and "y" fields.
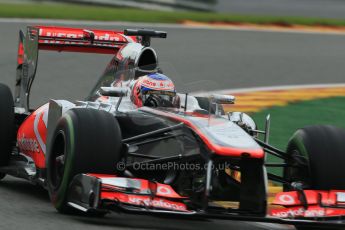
{"x": 145, "y": 34}
{"x": 113, "y": 91}
{"x": 223, "y": 99}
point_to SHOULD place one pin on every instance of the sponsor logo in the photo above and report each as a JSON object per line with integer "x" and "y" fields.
{"x": 98, "y": 38}
{"x": 104, "y": 37}
{"x": 28, "y": 144}
{"x": 149, "y": 83}
{"x": 341, "y": 197}
{"x": 162, "y": 190}
{"x": 299, "y": 212}
{"x": 286, "y": 199}
{"x": 159, "y": 203}
{"x": 158, "y": 84}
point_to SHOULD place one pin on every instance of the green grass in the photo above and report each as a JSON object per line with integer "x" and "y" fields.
{"x": 83, "y": 12}
{"x": 286, "y": 120}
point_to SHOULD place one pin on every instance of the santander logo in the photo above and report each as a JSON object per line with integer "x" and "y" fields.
{"x": 62, "y": 34}
{"x": 299, "y": 212}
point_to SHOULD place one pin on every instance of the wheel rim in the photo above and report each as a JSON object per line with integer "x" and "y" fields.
{"x": 297, "y": 170}
{"x": 57, "y": 158}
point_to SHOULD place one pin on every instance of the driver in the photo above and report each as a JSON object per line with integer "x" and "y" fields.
{"x": 153, "y": 90}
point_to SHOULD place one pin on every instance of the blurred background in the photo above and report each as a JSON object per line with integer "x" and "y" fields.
{"x": 199, "y": 5}
{"x": 305, "y": 8}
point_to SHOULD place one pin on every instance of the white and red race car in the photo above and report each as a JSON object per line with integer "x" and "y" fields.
{"x": 187, "y": 157}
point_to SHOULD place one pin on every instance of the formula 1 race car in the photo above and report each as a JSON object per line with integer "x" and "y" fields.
{"x": 137, "y": 146}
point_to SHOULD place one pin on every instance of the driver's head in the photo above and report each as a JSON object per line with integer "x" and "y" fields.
{"x": 153, "y": 90}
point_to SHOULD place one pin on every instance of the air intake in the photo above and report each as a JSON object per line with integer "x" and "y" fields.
{"x": 147, "y": 60}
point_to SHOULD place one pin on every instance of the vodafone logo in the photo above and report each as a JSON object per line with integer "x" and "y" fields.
{"x": 287, "y": 199}
{"x": 163, "y": 190}
{"x": 159, "y": 203}
{"x": 300, "y": 212}
{"x": 289, "y": 213}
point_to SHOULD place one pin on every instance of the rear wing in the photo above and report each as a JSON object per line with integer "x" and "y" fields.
{"x": 61, "y": 39}
{"x": 79, "y": 40}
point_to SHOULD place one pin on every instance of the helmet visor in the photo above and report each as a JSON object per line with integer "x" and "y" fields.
{"x": 155, "y": 98}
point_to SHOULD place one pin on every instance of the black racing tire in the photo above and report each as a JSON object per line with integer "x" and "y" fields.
{"x": 6, "y": 125}
{"x": 90, "y": 141}
{"x": 301, "y": 227}
{"x": 2, "y": 176}
{"x": 204, "y": 103}
{"x": 316, "y": 158}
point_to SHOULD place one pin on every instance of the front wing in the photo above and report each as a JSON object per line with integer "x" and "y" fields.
{"x": 105, "y": 193}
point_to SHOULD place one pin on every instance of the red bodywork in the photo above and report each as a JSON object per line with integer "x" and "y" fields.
{"x": 153, "y": 195}
{"x": 81, "y": 40}
{"x": 20, "y": 56}
{"x": 32, "y": 134}
{"x": 164, "y": 196}
{"x": 319, "y": 204}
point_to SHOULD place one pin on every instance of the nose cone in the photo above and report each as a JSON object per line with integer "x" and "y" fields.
{"x": 228, "y": 139}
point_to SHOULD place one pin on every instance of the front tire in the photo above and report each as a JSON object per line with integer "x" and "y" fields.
{"x": 301, "y": 227}
{"x": 6, "y": 125}
{"x": 316, "y": 158}
{"x": 84, "y": 141}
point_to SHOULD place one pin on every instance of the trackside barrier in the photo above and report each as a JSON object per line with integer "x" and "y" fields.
{"x": 166, "y": 5}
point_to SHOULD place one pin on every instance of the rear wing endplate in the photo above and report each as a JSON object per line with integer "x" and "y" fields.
{"x": 59, "y": 39}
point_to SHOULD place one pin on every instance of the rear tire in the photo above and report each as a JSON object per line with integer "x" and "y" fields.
{"x": 317, "y": 156}
{"x": 84, "y": 141}
{"x": 6, "y": 125}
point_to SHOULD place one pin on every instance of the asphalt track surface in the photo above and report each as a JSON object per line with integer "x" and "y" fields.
{"x": 25, "y": 206}
{"x": 200, "y": 58}
{"x": 302, "y": 8}
{"x": 196, "y": 59}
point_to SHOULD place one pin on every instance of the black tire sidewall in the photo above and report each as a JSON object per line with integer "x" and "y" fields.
{"x": 58, "y": 194}
{"x": 324, "y": 147}
{"x": 298, "y": 171}
{"x": 2, "y": 176}
{"x": 81, "y": 140}
{"x": 6, "y": 124}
